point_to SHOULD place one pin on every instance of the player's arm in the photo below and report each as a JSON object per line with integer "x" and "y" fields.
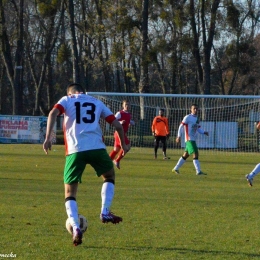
{"x": 201, "y": 131}
{"x": 118, "y": 127}
{"x": 52, "y": 117}
{"x": 185, "y": 121}
{"x": 118, "y": 117}
{"x": 206, "y": 133}
{"x": 132, "y": 122}
{"x": 167, "y": 127}
{"x": 180, "y": 129}
{"x": 153, "y": 126}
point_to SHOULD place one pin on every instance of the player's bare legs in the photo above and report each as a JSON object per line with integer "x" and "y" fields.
{"x": 71, "y": 190}
{"x": 120, "y": 155}
{"x": 114, "y": 152}
{"x": 113, "y": 155}
{"x": 107, "y": 195}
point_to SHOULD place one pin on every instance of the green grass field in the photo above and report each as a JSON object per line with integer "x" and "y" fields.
{"x": 165, "y": 216}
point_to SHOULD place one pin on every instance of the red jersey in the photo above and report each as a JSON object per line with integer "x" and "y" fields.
{"x": 124, "y": 116}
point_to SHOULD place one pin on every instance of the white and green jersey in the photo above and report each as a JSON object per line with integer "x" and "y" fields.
{"x": 81, "y": 127}
{"x": 190, "y": 125}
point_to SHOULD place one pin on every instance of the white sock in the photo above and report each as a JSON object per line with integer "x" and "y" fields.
{"x": 72, "y": 212}
{"x": 107, "y": 195}
{"x": 179, "y": 164}
{"x": 255, "y": 171}
{"x": 196, "y": 165}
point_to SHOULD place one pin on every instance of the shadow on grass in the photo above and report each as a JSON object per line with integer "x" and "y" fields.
{"x": 183, "y": 251}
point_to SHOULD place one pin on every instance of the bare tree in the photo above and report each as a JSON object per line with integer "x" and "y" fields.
{"x": 208, "y": 31}
{"x": 144, "y": 76}
{"x": 38, "y": 54}
{"x": 13, "y": 63}
{"x": 75, "y": 55}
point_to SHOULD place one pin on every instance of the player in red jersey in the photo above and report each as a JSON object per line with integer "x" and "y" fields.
{"x": 125, "y": 119}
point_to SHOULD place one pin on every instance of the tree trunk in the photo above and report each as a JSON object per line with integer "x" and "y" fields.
{"x": 75, "y": 55}
{"x": 5, "y": 49}
{"x": 208, "y": 43}
{"x": 195, "y": 46}
{"x": 18, "y": 73}
{"x": 144, "y": 77}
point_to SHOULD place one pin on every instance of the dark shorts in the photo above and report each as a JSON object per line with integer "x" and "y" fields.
{"x": 75, "y": 164}
{"x": 159, "y": 138}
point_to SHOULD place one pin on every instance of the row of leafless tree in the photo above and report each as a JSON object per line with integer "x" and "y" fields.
{"x": 156, "y": 46}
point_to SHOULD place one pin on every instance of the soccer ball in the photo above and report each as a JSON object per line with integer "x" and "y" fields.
{"x": 83, "y": 224}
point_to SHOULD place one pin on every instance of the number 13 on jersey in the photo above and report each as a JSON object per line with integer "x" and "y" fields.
{"x": 88, "y": 116}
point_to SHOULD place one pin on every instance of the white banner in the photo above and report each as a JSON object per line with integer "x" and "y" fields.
{"x": 221, "y": 135}
{"x": 23, "y": 129}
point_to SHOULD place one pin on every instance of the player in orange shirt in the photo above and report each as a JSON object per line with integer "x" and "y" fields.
{"x": 160, "y": 131}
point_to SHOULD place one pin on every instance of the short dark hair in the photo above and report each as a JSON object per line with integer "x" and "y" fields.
{"x": 161, "y": 109}
{"x": 194, "y": 105}
{"x": 75, "y": 87}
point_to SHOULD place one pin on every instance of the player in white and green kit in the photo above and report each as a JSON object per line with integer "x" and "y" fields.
{"x": 190, "y": 126}
{"x": 84, "y": 145}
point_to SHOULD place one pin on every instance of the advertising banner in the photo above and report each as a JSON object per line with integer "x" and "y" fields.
{"x": 23, "y": 129}
{"x": 222, "y": 135}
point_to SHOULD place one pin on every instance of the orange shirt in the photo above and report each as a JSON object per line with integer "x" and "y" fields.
{"x": 160, "y": 126}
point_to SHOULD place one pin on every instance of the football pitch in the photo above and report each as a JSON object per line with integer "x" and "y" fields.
{"x": 165, "y": 216}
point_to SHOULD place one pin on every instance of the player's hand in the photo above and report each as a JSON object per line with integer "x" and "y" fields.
{"x": 122, "y": 122}
{"x": 178, "y": 139}
{"x": 125, "y": 149}
{"x": 153, "y": 133}
{"x": 47, "y": 146}
{"x": 258, "y": 126}
{"x": 206, "y": 133}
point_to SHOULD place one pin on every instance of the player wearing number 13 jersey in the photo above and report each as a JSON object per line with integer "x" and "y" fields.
{"x": 81, "y": 127}
{"x": 84, "y": 145}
